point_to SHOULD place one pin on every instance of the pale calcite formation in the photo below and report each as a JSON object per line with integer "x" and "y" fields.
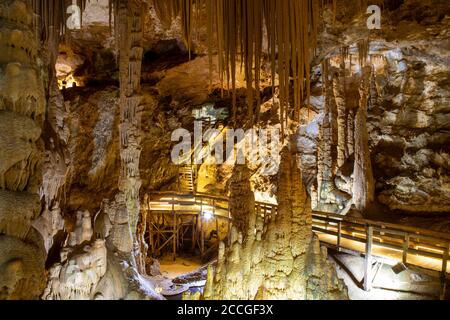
{"x": 49, "y": 224}
{"x": 55, "y": 174}
{"x": 331, "y": 148}
{"x": 279, "y": 258}
{"x": 129, "y": 41}
{"x": 83, "y": 264}
{"x": 22, "y": 106}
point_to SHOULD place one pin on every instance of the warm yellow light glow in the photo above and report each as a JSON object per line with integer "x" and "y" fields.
{"x": 361, "y": 235}
{"x": 208, "y": 215}
{"x": 430, "y": 249}
{"x": 69, "y": 82}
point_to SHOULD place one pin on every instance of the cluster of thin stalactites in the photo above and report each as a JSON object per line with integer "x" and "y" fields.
{"x": 241, "y": 32}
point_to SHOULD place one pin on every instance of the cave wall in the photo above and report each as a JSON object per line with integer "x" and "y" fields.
{"x": 407, "y": 111}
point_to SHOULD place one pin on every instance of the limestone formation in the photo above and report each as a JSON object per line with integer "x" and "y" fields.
{"x": 87, "y": 116}
{"x": 339, "y": 95}
{"x": 242, "y": 198}
{"x": 277, "y": 259}
{"x": 331, "y": 149}
{"x": 22, "y": 107}
{"x": 363, "y": 184}
{"x": 130, "y": 29}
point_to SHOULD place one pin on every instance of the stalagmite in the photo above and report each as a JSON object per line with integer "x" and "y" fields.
{"x": 339, "y": 96}
{"x": 83, "y": 264}
{"x": 277, "y": 259}
{"x": 238, "y": 27}
{"x": 326, "y": 146}
{"x": 242, "y": 199}
{"x": 363, "y": 185}
{"x": 330, "y": 148}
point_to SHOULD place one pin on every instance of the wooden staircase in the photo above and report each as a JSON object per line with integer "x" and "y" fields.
{"x": 186, "y": 180}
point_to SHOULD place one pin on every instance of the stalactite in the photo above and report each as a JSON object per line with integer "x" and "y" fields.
{"x": 325, "y": 156}
{"x": 351, "y": 132}
{"x": 363, "y": 184}
{"x": 363, "y": 51}
{"x": 238, "y": 27}
{"x": 52, "y": 16}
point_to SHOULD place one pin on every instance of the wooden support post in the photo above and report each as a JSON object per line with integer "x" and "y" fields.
{"x": 150, "y": 232}
{"x": 202, "y": 236}
{"x": 405, "y": 249}
{"x": 445, "y": 258}
{"x": 339, "y": 236}
{"x": 194, "y": 231}
{"x": 175, "y": 233}
{"x": 368, "y": 261}
{"x": 174, "y": 248}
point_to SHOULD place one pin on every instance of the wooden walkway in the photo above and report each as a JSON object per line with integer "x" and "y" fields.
{"x": 414, "y": 247}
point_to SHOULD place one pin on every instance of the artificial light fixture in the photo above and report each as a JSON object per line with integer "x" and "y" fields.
{"x": 208, "y": 215}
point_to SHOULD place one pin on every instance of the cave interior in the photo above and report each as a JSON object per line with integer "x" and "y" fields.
{"x": 224, "y": 150}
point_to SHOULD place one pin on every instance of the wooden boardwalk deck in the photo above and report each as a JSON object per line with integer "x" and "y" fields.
{"x": 420, "y": 248}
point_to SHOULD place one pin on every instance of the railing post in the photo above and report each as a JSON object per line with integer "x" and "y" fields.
{"x": 229, "y": 226}
{"x": 339, "y": 236}
{"x": 175, "y": 236}
{"x": 202, "y": 238}
{"x": 445, "y": 257}
{"x": 405, "y": 249}
{"x": 368, "y": 260}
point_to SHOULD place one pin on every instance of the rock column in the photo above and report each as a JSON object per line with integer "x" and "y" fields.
{"x": 22, "y": 112}
{"x": 129, "y": 39}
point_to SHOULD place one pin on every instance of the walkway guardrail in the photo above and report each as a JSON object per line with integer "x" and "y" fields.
{"x": 412, "y": 246}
